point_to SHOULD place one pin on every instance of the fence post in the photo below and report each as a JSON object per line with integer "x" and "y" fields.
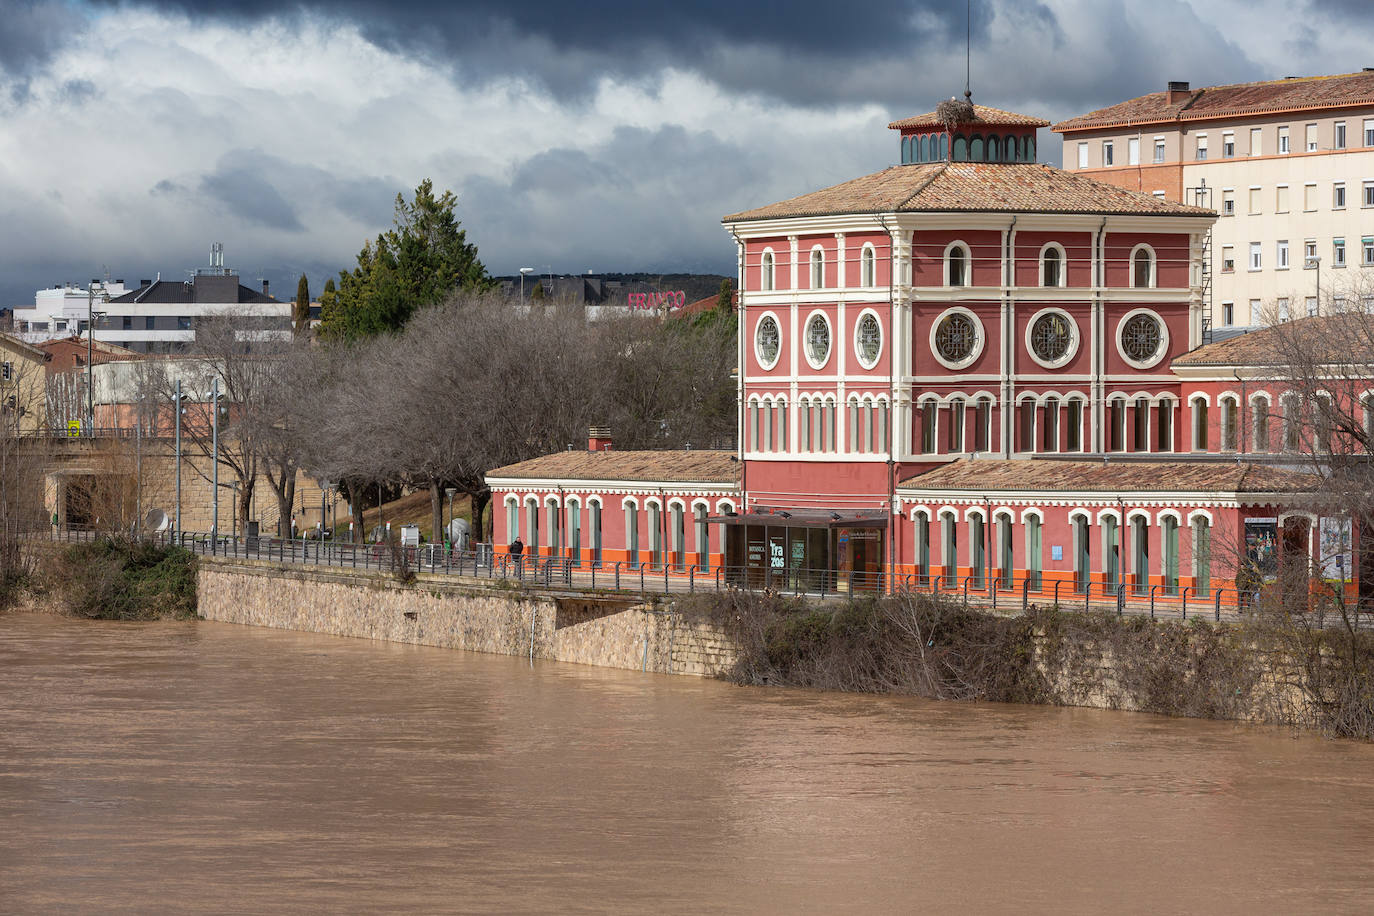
{"x": 691, "y": 580}
{"x": 1120, "y": 599}
{"x": 1025, "y": 594}
{"x": 617, "y": 576}
{"x": 1185, "y": 601}
{"x": 1218, "y": 606}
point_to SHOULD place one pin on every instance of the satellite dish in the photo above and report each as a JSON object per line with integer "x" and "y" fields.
{"x": 157, "y": 520}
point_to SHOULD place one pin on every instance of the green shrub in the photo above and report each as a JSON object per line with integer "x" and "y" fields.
{"x": 117, "y": 579}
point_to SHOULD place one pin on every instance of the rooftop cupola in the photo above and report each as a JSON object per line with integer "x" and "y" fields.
{"x": 960, "y": 131}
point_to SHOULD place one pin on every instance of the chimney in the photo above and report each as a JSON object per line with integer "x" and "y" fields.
{"x": 599, "y": 439}
{"x": 264, "y": 287}
{"x": 1178, "y": 91}
{"x": 144, "y": 283}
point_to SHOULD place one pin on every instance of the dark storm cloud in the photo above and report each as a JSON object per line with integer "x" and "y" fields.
{"x": 566, "y": 48}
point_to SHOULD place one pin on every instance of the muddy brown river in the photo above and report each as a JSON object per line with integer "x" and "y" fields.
{"x": 216, "y": 768}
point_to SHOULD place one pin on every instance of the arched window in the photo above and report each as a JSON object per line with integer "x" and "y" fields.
{"x": 1164, "y": 425}
{"x": 1229, "y": 432}
{"x": 1116, "y": 425}
{"x": 957, "y": 266}
{"x": 925, "y": 148}
{"x": 1260, "y": 424}
{"x": 975, "y": 149}
{"x": 655, "y": 525}
{"x": 1051, "y": 266}
{"x": 1140, "y": 555}
{"x": 922, "y": 525}
{"x": 1169, "y": 542}
{"x": 1034, "y": 551}
{"x": 994, "y": 150}
{"x": 766, "y": 271}
{"x": 1111, "y": 550}
{"x": 868, "y": 267}
{"x": 944, "y": 148}
{"x": 817, "y": 268}
{"x": 1009, "y": 149}
{"x": 1143, "y": 268}
{"x": 956, "y": 425}
{"x": 1368, "y": 402}
{"x": 594, "y": 529}
{"x": 1292, "y": 416}
{"x": 1082, "y": 555}
{"x": 1073, "y": 426}
{"x": 1006, "y": 562}
{"x": 574, "y": 524}
{"x": 677, "y": 536}
{"x": 703, "y": 537}
{"x": 1142, "y": 425}
{"x": 532, "y": 527}
{"x": 512, "y": 520}
{"x": 1049, "y": 429}
{"x": 1202, "y": 556}
{"x": 1028, "y": 149}
{"x": 906, "y": 150}
{"x": 949, "y": 548}
{"x": 960, "y": 149}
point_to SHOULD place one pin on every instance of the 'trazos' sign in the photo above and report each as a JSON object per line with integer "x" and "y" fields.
{"x": 652, "y": 301}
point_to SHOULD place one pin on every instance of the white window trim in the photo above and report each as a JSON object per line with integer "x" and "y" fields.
{"x": 805, "y": 343}
{"x": 758, "y": 356}
{"x": 1069, "y": 354}
{"x": 968, "y": 264}
{"x": 1154, "y": 266}
{"x": 768, "y": 278}
{"x": 811, "y": 266}
{"x": 978, "y": 344}
{"x": 882, "y": 338}
{"x": 1063, "y": 265}
{"x": 869, "y": 250}
{"x": 1163, "y": 339}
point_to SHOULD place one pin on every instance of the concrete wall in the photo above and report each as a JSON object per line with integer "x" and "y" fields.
{"x": 453, "y": 613}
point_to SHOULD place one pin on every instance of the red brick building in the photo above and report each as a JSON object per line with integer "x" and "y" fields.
{"x": 966, "y": 369}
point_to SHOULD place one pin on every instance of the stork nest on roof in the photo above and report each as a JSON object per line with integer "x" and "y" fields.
{"x": 955, "y": 112}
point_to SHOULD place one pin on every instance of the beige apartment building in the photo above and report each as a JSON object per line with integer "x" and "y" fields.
{"x": 1287, "y": 164}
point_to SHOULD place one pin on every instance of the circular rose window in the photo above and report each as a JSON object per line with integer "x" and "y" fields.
{"x": 868, "y": 339}
{"x": 955, "y": 337}
{"x": 817, "y": 340}
{"x": 1051, "y": 336}
{"x": 1141, "y": 336}
{"x": 768, "y": 340}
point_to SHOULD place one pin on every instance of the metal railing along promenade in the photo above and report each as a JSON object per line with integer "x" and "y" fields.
{"x": 997, "y": 592}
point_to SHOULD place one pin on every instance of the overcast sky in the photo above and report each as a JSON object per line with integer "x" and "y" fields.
{"x": 593, "y": 135}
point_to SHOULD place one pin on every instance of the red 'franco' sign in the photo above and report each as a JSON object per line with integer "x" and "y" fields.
{"x": 651, "y": 301}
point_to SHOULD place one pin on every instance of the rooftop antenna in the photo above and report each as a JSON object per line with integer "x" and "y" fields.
{"x": 968, "y": 49}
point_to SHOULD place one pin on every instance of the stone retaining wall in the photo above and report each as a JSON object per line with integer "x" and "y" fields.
{"x": 455, "y": 613}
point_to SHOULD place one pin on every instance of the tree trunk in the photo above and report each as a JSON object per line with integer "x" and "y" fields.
{"x": 283, "y": 515}
{"x": 355, "y": 508}
{"x": 436, "y": 509}
{"x": 478, "y": 499}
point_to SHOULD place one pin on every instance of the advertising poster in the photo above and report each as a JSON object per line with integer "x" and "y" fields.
{"x": 1335, "y": 547}
{"x": 1262, "y": 546}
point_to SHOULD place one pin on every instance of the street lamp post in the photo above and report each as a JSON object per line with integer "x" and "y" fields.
{"x": 176, "y": 409}
{"x": 448, "y": 530}
{"x": 90, "y": 352}
{"x": 524, "y": 272}
{"x": 214, "y": 439}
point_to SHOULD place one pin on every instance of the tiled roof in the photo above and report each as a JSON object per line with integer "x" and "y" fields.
{"x": 1229, "y": 101}
{"x": 971, "y": 187}
{"x": 982, "y": 113}
{"x": 687, "y": 466}
{"x": 1344, "y": 338}
{"x": 1110, "y": 476}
